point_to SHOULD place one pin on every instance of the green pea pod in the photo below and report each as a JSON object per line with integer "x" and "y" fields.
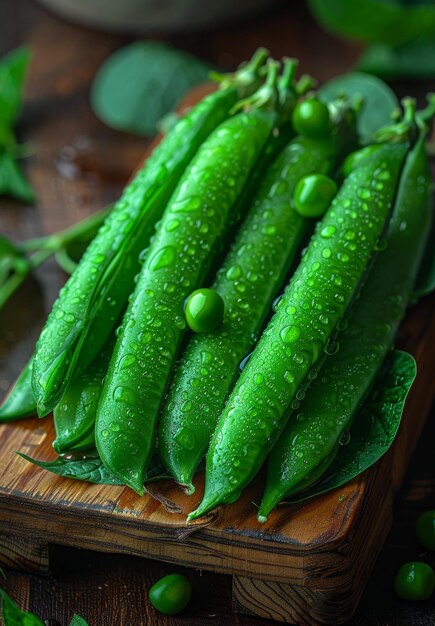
{"x": 248, "y": 280}
{"x": 194, "y": 223}
{"x": 20, "y": 402}
{"x": 316, "y": 298}
{"x": 312, "y": 437}
{"x": 93, "y": 297}
{"x": 74, "y": 416}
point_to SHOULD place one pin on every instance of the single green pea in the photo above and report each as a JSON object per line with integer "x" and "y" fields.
{"x": 354, "y": 159}
{"x": 314, "y": 194}
{"x": 425, "y": 528}
{"x": 204, "y": 310}
{"x": 311, "y": 118}
{"x": 171, "y": 594}
{"x": 414, "y": 581}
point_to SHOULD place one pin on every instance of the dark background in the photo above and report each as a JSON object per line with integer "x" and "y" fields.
{"x": 112, "y": 590}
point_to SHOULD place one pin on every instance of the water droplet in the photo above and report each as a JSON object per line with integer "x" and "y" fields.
{"x": 164, "y": 257}
{"x": 144, "y": 338}
{"x": 277, "y": 302}
{"x": 169, "y": 287}
{"x": 345, "y": 438}
{"x": 172, "y": 225}
{"x": 324, "y": 319}
{"x": 244, "y": 362}
{"x": 384, "y": 175}
{"x": 342, "y": 324}
{"x": 332, "y": 346}
{"x": 327, "y": 232}
{"x": 290, "y": 334}
{"x": 127, "y": 361}
{"x": 258, "y": 378}
{"x": 252, "y": 277}
{"x": 269, "y": 229}
{"x": 206, "y": 357}
{"x": 186, "y": 438}
{"x": 288, "y": 377}
{"x": 364, "y": 193}
{"x": 312, "y": 374}
{"x": 233, "y": 272}
{"x": 300, "y": 394}
{"x": 187, "y": 205}
{"x": 126, "y": 395}
{"x": 381, "y": 244}
{"x": 326, "y": 253}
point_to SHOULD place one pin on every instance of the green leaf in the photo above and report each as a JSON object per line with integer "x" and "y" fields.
{"x": 383, "y": 21}
{"x": 14, "y": 616}
{"x": 78, "y": 621}
{"x": 379, "y": 100}
{"x": 412, "y": 60}
{"x": 91, "y": 468}
{"x": 13, "y": 69}
{"x": 140, "y": 83}
{"x": 12, "y": 180}
{"x": 374, "y": 429}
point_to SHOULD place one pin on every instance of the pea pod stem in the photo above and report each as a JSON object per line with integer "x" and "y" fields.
{"x": 37, "y": 251}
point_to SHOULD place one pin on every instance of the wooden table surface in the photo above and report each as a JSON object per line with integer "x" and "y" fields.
{"x": 78, "y": 166}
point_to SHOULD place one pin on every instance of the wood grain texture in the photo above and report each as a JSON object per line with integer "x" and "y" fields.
{"x": 23, "y": 553}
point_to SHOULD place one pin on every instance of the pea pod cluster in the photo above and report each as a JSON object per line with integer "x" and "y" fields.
{"x": 293, "y": 346}
{"x": 247, "y": 281}
{"x": 241, "y": 297}
{"x": 91, "y": 301}
{"x": 315, "y": 431}
{"x": 195, "y": 220}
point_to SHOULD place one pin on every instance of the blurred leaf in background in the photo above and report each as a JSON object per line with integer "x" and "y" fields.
{"x": 401, "y": 33}
{"x": 142, "y": 82}
{"x": 13, "y": 70}
{"x": 411, "y": 60}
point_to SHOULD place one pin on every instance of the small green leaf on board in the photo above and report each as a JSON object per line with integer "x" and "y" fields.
{"x": 374, "y": 428}
{"x": 88, "y": 466}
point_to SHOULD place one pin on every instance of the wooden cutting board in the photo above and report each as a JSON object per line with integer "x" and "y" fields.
{"x": 307, "y": 565}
